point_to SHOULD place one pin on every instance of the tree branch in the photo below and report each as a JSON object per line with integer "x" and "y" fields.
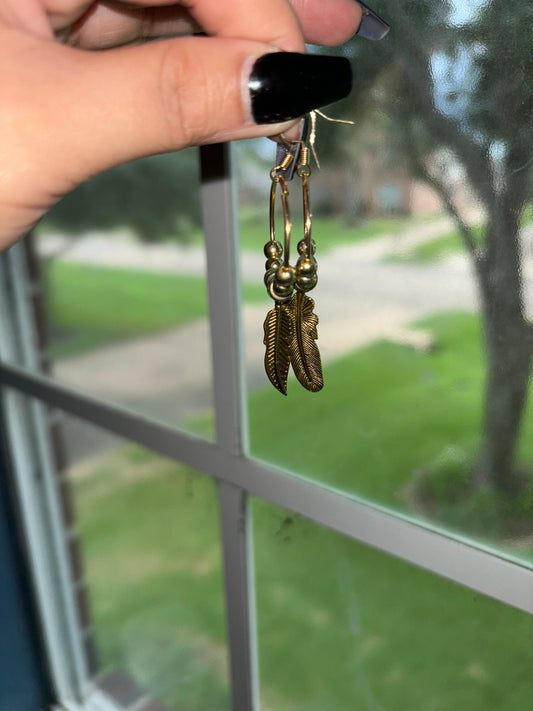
{"x": 444, "y": 194}
{"x": 408, "y": 46}
{"x": 420, "y": 168}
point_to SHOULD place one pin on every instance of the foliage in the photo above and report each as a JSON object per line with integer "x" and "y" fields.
{"x": 155, "y": 197}
{"x": 464, "y": 92}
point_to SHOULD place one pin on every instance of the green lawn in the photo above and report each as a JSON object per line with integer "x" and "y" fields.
{"x": 448, "y": 244}
{"x": 327, "y": 232}
{"x": 344, "y": 627}
{"x": 435, "y": 249}
{"x": 388, "y": 415}
{"x": 90, "y": 306}
{"x": 340, "y": 626}
{"x": 384, "y": 410}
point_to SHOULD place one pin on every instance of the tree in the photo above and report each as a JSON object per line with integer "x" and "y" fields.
{"x": 484, "y": 120}
{"x": 156, "y": 197}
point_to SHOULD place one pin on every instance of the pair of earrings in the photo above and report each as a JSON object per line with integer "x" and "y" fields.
{"x": 291, "y": 326}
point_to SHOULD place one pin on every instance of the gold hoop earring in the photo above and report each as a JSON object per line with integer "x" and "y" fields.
{"x": 290, "y": 328}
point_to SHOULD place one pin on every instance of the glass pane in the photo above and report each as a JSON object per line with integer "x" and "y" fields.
{"x": 148, "y": 533}
{"x": 344, "y": 627}
{"x": 423, "y": 231}
{"x": 123, "y": 312}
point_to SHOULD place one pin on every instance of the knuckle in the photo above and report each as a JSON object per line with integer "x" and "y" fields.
{"x": 187, "y": 95}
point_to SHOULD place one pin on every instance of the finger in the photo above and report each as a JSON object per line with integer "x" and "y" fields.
{"x": 106, "y": 108}
{"x": 108, "y": 26}
{"x": 270, "y": 21}
{"x": 328, "y": 23}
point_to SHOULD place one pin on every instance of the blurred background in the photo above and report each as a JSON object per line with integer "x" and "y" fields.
{"x": 424, "y": 230}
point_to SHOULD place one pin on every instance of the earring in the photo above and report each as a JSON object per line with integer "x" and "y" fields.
{"x": 291, "y": 326}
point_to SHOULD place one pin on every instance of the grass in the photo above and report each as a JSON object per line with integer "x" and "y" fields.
{"x": 343, "y": 639}
{"x": 327, "y": 231}
{"x": 389, "y": 415}
{"x": 384, "y": 411}
{"x": 150, "y": 539}
{"x": 435, "y": 249}
{"x": 344, "y": 627}
{"x": 447, "y": 245}
{"x": 340, "y": 626}
{"x": 90, "y": 307}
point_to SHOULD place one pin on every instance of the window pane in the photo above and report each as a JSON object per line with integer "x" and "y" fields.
{"x": 345, "y": 627}
{"x": 148, "y": 530}
{"x": 423, "y": 231}
{"x": 124, "y": 299}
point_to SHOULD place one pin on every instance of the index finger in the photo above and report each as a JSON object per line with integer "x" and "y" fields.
{"x": 273, "y": 22}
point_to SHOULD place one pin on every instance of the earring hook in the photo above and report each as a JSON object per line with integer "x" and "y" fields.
{"x": 308, "y": 136}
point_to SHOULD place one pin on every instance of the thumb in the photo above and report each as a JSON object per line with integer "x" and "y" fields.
{"x": 126, "y": 103}
{"x": 175, "y": 93}
{"x": 78, "y": 113}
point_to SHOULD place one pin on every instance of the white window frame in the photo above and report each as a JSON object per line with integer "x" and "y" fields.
{"x": 227, "y": 461}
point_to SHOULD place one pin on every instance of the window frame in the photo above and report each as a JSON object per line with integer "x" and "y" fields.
{"x": 227, "y": 461}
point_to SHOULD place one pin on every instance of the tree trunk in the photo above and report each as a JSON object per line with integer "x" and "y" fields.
{"x": 508, "y": 346}
{"x": 506, "y": 390}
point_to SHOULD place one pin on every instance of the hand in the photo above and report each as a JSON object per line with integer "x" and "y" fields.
{"x": 69, "y": 113}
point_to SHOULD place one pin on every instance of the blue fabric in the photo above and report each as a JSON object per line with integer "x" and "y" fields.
{"x": 22, "y": 679}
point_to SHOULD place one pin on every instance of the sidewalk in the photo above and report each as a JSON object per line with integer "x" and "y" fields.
{"x": 121, "y": 251}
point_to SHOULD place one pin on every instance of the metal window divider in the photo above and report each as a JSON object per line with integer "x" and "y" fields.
{"x": 473, "y": 565}
{"x": 36, "y": 483}
{"x": 221, "y": 240}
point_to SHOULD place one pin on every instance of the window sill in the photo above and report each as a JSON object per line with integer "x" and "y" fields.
{"x": 115, "y": 692}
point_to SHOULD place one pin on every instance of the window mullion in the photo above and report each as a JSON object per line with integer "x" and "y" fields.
{"x": 218, "y": 210}
{"x": 37, "y": 488}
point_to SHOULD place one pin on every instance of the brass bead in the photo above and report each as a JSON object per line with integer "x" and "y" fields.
{"x": 302, "y": 248}
{"x": 306, "y": 266}
{"x": 273, "y": 249}
{"x": 279, "y": 293}
{"x": 273, "y": 263}
{"x": 306, "y": 283}
{"x": 285, "y": 276}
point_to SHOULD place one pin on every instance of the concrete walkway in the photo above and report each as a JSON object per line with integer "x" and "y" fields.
{"x": 121, "y": 251}
{"x": 359, "y": 299}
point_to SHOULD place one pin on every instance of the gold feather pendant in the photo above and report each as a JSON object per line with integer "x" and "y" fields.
{"x": 291, "y": 326}
{"x": 278, "y": 329}
{"x": 304, "y": 353}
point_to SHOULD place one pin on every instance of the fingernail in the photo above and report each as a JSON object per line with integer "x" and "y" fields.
{"x": 372, "y": 27}
{"x": 287, "y": 85}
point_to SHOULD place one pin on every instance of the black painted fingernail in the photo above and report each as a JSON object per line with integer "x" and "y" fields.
{"x": 287, "y": 85}
{"x": 372, "y": 27}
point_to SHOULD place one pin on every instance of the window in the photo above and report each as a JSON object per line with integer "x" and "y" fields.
{"x": 366, "y": 547}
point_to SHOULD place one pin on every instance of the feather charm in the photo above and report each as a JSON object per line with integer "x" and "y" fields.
{"x": 278, "y": 329}
{"x": 304, "y": 353}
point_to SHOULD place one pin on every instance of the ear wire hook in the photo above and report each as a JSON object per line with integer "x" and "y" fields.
{"x": 312, "y": 134}
{"x": 307, "y": 137}
{"x": 293, "y": 147}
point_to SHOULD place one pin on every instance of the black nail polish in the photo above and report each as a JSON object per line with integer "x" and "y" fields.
{"x": 287, "y": 85}
{"x": 372, "y": 27}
